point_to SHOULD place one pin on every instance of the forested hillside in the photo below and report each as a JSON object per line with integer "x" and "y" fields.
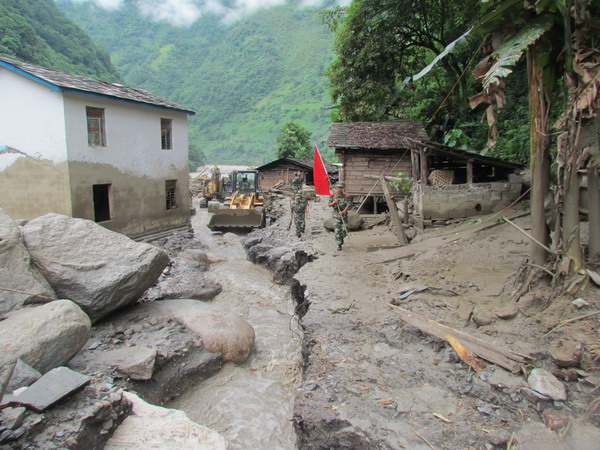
{"x": 35, "y": 31}
{"x": 244, "y": 80}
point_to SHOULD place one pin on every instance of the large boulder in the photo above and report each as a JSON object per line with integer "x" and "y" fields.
{"x": 221, "y": 330}
{"x": 155, "y": 427}
{"x": 184, "y": 280}
{"x": 98, "y": 269}
{"x": 46, "y": 336}
{"x": 354, "y": 222}
{"x": 23, "y": 284}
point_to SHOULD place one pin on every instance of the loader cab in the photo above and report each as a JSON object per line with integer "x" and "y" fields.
{"x": 245, "y": 181}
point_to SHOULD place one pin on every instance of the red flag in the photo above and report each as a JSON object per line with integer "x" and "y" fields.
{"x": 320, "y": 175}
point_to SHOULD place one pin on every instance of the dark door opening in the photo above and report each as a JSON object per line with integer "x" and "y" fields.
{"x": 101, "y": 202}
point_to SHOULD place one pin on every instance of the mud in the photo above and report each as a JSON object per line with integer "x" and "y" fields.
{"x": 371, "y": 381}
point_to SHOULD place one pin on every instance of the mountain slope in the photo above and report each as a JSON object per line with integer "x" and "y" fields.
{"x": 35, "y": 31}
{"x": 245, "y": 81}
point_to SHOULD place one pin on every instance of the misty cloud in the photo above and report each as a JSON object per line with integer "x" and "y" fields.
{"x": 186, "y": 12}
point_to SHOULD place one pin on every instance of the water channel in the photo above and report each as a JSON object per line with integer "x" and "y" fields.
{"x": 251, "y": 404}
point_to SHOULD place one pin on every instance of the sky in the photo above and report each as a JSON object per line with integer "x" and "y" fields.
{"x": 186, "y": 12}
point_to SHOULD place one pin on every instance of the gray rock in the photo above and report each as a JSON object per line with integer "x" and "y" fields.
{"x": 23, "y": 375}
{"x": 45, "y": 336}
{"x": 7, "y": 364}
{"x": 355, "y": 222}
{"x": 16, "y": 271}
{"x": 483, "y": 315}
{"x": 542, "y": 381}
{"x": 135, "y": 362}
{"x": 51, "y": 388}
{"x": 12, "y": 418}
{"x": 186, "y": 281}
{"x": 98, "y": 269}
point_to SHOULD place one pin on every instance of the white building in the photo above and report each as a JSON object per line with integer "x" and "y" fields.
{"x": 99, "y": 151}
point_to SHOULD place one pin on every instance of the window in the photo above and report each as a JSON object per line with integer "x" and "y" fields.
{"x": 171, "y": 193}
{"x": 95, "y": 126}
{"x": 101, "y": 194}
{"x": 166, "y": 134}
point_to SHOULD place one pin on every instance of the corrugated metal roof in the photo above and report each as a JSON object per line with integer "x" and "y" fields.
{"x": 83, "y": 84}
{"x": 375, "y": 135}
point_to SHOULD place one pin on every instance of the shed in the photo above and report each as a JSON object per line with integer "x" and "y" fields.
{"x": 446, "y": 182}
{"x": 283, "y": 169}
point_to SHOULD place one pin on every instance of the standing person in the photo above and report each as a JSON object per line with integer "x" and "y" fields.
{"x": 340, "y": 203}
{"x": 299, "y": 211}
{"x": 297, "y": 184}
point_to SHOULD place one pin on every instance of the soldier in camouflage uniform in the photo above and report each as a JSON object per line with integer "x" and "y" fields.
{"x": 340, "y": 203}
{"x": 297, "y": 184}
{"x": 299, "y": 211}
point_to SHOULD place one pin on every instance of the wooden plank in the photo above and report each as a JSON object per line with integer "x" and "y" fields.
{"x": 505, "y": 358}
{"x": 393, "y": 212}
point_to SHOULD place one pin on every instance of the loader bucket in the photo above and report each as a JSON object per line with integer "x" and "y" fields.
{"x": 236, "y": 220}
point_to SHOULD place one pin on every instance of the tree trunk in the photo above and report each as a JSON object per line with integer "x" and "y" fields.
{"x": 539, "y": 156}
{"x": 572, "y": 258}
{"x": 594, "y": 211}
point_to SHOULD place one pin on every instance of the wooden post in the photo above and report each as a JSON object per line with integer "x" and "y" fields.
{"x": 393, "y": 212}
{"x": 424, "y": 167}
{"x": 414, "y": 158}
{"x": 469, "y": 171}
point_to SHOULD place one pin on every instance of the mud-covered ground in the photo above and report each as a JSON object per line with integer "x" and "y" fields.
{"x": 372, "y": 381}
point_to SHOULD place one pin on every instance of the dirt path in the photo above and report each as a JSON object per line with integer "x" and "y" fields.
{"x": 372, "y": 381}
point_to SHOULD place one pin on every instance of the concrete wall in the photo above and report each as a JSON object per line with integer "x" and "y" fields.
{"x": 457, "y": 201}
{"x": 33, "y": 167}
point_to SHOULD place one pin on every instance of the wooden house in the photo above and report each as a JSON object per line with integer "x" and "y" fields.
{"x": 373, "y": 149}
{"x": 446, "y": 182}
{"x": 283, "y": 170}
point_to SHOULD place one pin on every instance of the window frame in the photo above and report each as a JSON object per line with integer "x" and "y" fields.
{"x": 166, "y": 134}
{"x": 96, "y": 132}
{"x": 171, "y": 195}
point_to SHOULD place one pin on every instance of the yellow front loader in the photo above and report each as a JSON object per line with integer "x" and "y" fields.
{"x": 244, "y": 209}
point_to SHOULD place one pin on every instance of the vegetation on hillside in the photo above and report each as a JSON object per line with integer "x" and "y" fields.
{"x": 35, "y": 31}
{"x": 294, "y": 142}
{"x": 244, "y": 80}
{"x": 379, "y": 46}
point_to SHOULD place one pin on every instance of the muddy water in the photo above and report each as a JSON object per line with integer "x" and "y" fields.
{"x": 250, "y": 404}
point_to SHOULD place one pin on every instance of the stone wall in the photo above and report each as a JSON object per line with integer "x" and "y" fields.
{"x": 458, "y": 201}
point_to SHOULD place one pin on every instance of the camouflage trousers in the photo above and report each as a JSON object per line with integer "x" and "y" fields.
{"x": 299, "y": 223}
{"x": 340, "y": 229}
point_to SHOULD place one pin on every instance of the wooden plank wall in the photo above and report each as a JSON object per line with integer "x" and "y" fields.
{"x": 359, "y": 164}
{"x": 272, "y": 176}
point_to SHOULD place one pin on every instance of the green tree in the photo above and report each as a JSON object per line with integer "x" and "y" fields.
{"x": 556, "y": 36}
{"x": 380, "y": 44}
{"x": 196, "y": 158}
{"x": 293, "y": 142}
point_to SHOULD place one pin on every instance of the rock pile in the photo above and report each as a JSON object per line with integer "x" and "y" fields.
{"x": 74, "y": 335}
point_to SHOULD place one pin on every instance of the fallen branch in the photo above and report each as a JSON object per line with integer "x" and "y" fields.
{"x": 562, "y": 324}
{"x": 490, "y": 352}
{"x": 548, "y": 249}
{"x": 424, "y": 440}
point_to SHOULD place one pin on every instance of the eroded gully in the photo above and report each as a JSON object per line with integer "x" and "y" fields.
{"x": 251, "y": 404}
